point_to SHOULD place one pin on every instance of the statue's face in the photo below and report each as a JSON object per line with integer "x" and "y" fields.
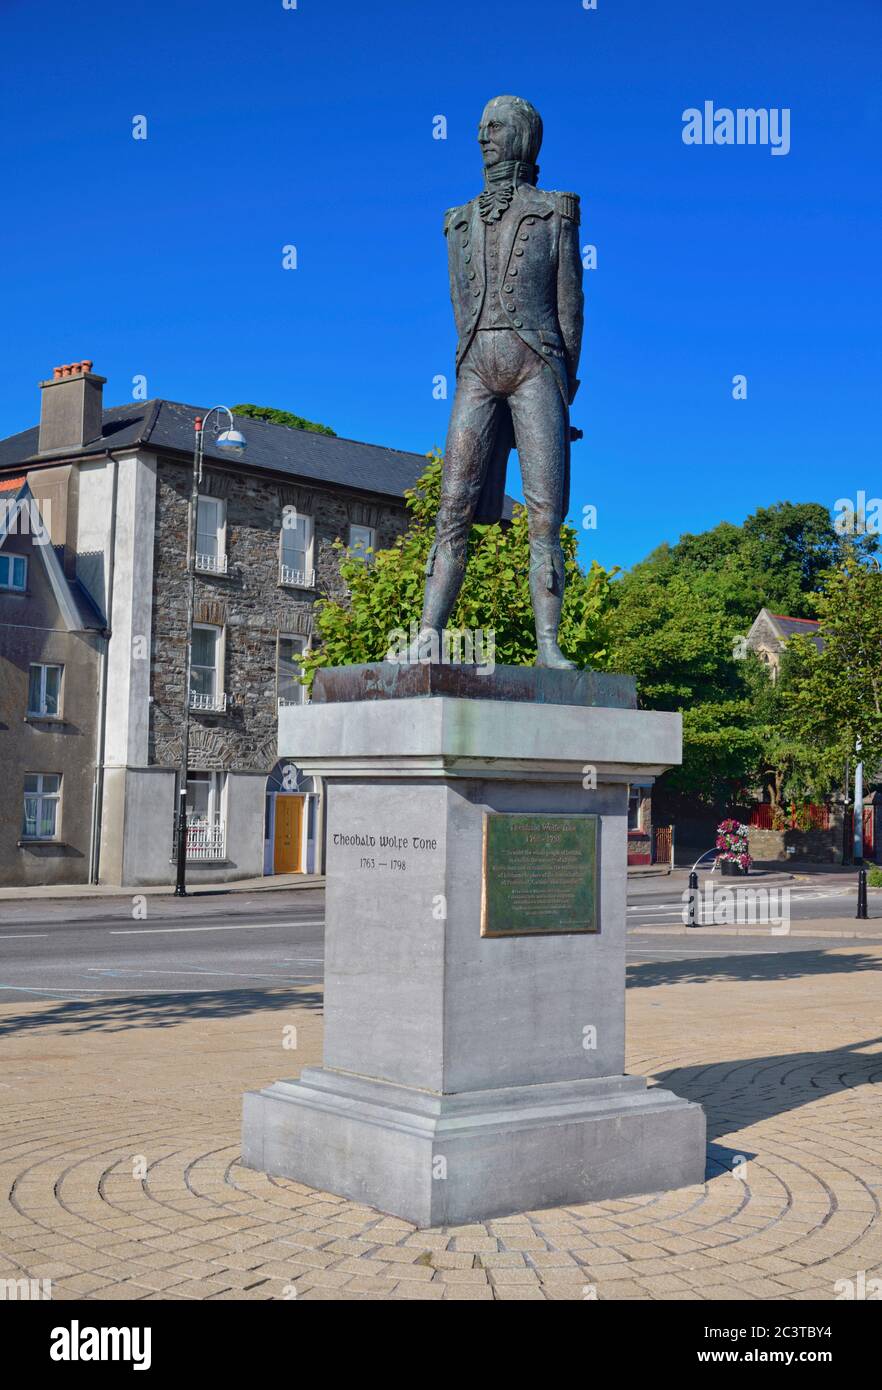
{"x": 497, "y": 135}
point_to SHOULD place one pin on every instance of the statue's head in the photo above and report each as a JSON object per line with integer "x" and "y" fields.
{"x": 510, "y": 129}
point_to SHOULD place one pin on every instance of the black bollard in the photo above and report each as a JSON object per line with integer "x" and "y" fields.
{"x": 693, "y": 899}
{"x": 862, "y": 895}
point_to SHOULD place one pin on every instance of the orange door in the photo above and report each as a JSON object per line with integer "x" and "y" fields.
{"x": 288, "y": 835}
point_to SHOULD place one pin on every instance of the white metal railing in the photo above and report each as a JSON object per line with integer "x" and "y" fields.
{"x": 298, "y": 579}
{"x": 205, "y": 839}
{"x": 211, "y": 564}
{"x": 214, "y": 704}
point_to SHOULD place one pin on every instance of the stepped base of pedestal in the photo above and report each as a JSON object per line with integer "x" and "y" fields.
{"x": 447, "y": 1159}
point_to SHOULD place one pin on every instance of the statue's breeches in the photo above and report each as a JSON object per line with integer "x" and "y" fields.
{"x": 500, "y": 370}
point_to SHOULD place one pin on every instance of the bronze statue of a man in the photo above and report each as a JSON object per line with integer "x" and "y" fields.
{"x": 516, "y": 287}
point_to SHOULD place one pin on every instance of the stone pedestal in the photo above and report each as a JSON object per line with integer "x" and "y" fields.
{"x": 466, "y": 1075}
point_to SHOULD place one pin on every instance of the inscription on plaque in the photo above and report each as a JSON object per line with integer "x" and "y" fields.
{"x": 540, "y": 875}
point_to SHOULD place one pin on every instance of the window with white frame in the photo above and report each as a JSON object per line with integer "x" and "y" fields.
{"x": 211, "y": 535}
{"x": 289, "y": 669}
{"x": 206, "y": 685}
{"x": 13, "y": 572}
{"x": 206, "y": 828}
{"x": 297, "y": 547}
{"x": 44, "y": 690}
{"x": 204, "y": 796}
{"x": 42, "y": 799}
{"x": 362, "y": 539}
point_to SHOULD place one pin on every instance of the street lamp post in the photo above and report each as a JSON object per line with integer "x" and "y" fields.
{"x": 858, "y": 823}
{"x": 234, "y": 442}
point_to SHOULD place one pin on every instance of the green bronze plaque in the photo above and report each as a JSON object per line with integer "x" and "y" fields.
{"x": 540, "y": 875}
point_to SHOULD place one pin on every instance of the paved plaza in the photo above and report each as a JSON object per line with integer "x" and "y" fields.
{"x": 119, "y": 1130}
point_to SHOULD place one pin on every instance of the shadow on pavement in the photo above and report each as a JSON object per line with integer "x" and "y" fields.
{"x": 747, "y": 1090}
{"x": 155, "y": 1010}
{"x": 782, "y": 965}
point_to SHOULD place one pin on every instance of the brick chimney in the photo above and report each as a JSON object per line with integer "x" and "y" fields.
{"x": 71, "y": 408}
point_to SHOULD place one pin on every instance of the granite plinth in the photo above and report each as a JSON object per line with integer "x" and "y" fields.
{"x": 443, "y": 1160}
{"x": 466, "y": 1075}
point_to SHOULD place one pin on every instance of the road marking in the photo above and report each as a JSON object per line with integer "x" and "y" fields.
{"x": 700, "y": 950}
{"x": 30, "y": 935}
{"x": 34, "y": 989}
{"x": 242, "y": 926}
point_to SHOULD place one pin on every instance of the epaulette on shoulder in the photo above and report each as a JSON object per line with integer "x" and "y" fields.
{"x": 448, "y": 218}
{"x": 568, "y": 206}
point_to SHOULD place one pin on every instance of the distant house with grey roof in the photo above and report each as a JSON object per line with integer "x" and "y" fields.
{"x": 770, "y": 633}
{"x": 89, "y": 786}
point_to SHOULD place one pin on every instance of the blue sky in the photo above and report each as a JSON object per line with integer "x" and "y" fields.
{"x": 313, "y": 127}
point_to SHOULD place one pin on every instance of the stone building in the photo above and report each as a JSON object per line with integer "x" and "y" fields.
{"x": 51, "y": 639}
{"x": 105, "y": 603}
{"x": 770, "y": 633}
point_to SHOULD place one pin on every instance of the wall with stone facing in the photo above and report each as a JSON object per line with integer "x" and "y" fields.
{"x": 811, "y": 846}
{"x": 764, "y": 640}
{"x": 248, "y": 602}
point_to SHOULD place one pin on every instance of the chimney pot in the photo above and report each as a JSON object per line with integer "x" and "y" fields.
{"x": 71, "y": 408}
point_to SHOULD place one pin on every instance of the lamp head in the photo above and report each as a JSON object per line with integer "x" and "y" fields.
{"x": 232, "y": 441}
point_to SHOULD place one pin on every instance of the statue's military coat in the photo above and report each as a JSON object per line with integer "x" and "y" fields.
{"x": 539, "y": 256}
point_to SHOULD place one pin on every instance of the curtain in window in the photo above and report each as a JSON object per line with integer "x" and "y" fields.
{"x": 208, "y": 525}
{"x": 203, "y": 674}
{"x": 296, "y": 542}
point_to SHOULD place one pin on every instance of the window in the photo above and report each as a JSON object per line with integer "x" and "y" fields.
{"x": 13, "y": 572}
{"x": 362, "y": 539}
{"x": 206, "y": 830}
{"x": 205, "y": 679}
{"x": 289, "y": 689}
{"x": 42, "y": 794}
{"x": 211, "y": 527}
{"x": 297, "y": 550}
{"x": 44, "y": 690}
{"x": 203, "y": 796}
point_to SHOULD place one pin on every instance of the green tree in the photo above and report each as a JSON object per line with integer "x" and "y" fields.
{"x": 834, "y": 696}
{"x": 385, "y": 592}
{"x": 281, "y": 417}
{"x": 679, "y": 622}
{"x": 776, "y": 560}
{"x": 787, "y": 762}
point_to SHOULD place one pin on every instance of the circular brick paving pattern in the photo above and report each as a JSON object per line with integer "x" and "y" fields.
{"x": 119, "y": 1173}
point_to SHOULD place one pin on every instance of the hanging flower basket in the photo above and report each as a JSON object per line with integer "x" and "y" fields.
{"x": 732, "y": 848}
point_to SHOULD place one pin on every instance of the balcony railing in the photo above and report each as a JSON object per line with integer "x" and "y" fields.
{"x": 210, "y": 704}
{"x": 297, "y": 579}
{"x": 205, "y": 839}
{"x": 211, "y": 564}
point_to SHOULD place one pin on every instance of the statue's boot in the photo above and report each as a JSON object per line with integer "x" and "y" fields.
{"x": 445, "y": 571}
{"x": 547, "y": 581}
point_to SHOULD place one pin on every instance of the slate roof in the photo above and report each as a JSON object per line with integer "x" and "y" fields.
{"x": 167, "y": 426}
{"x": 795, "y": 627}
{"x": 783, "y": 628}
